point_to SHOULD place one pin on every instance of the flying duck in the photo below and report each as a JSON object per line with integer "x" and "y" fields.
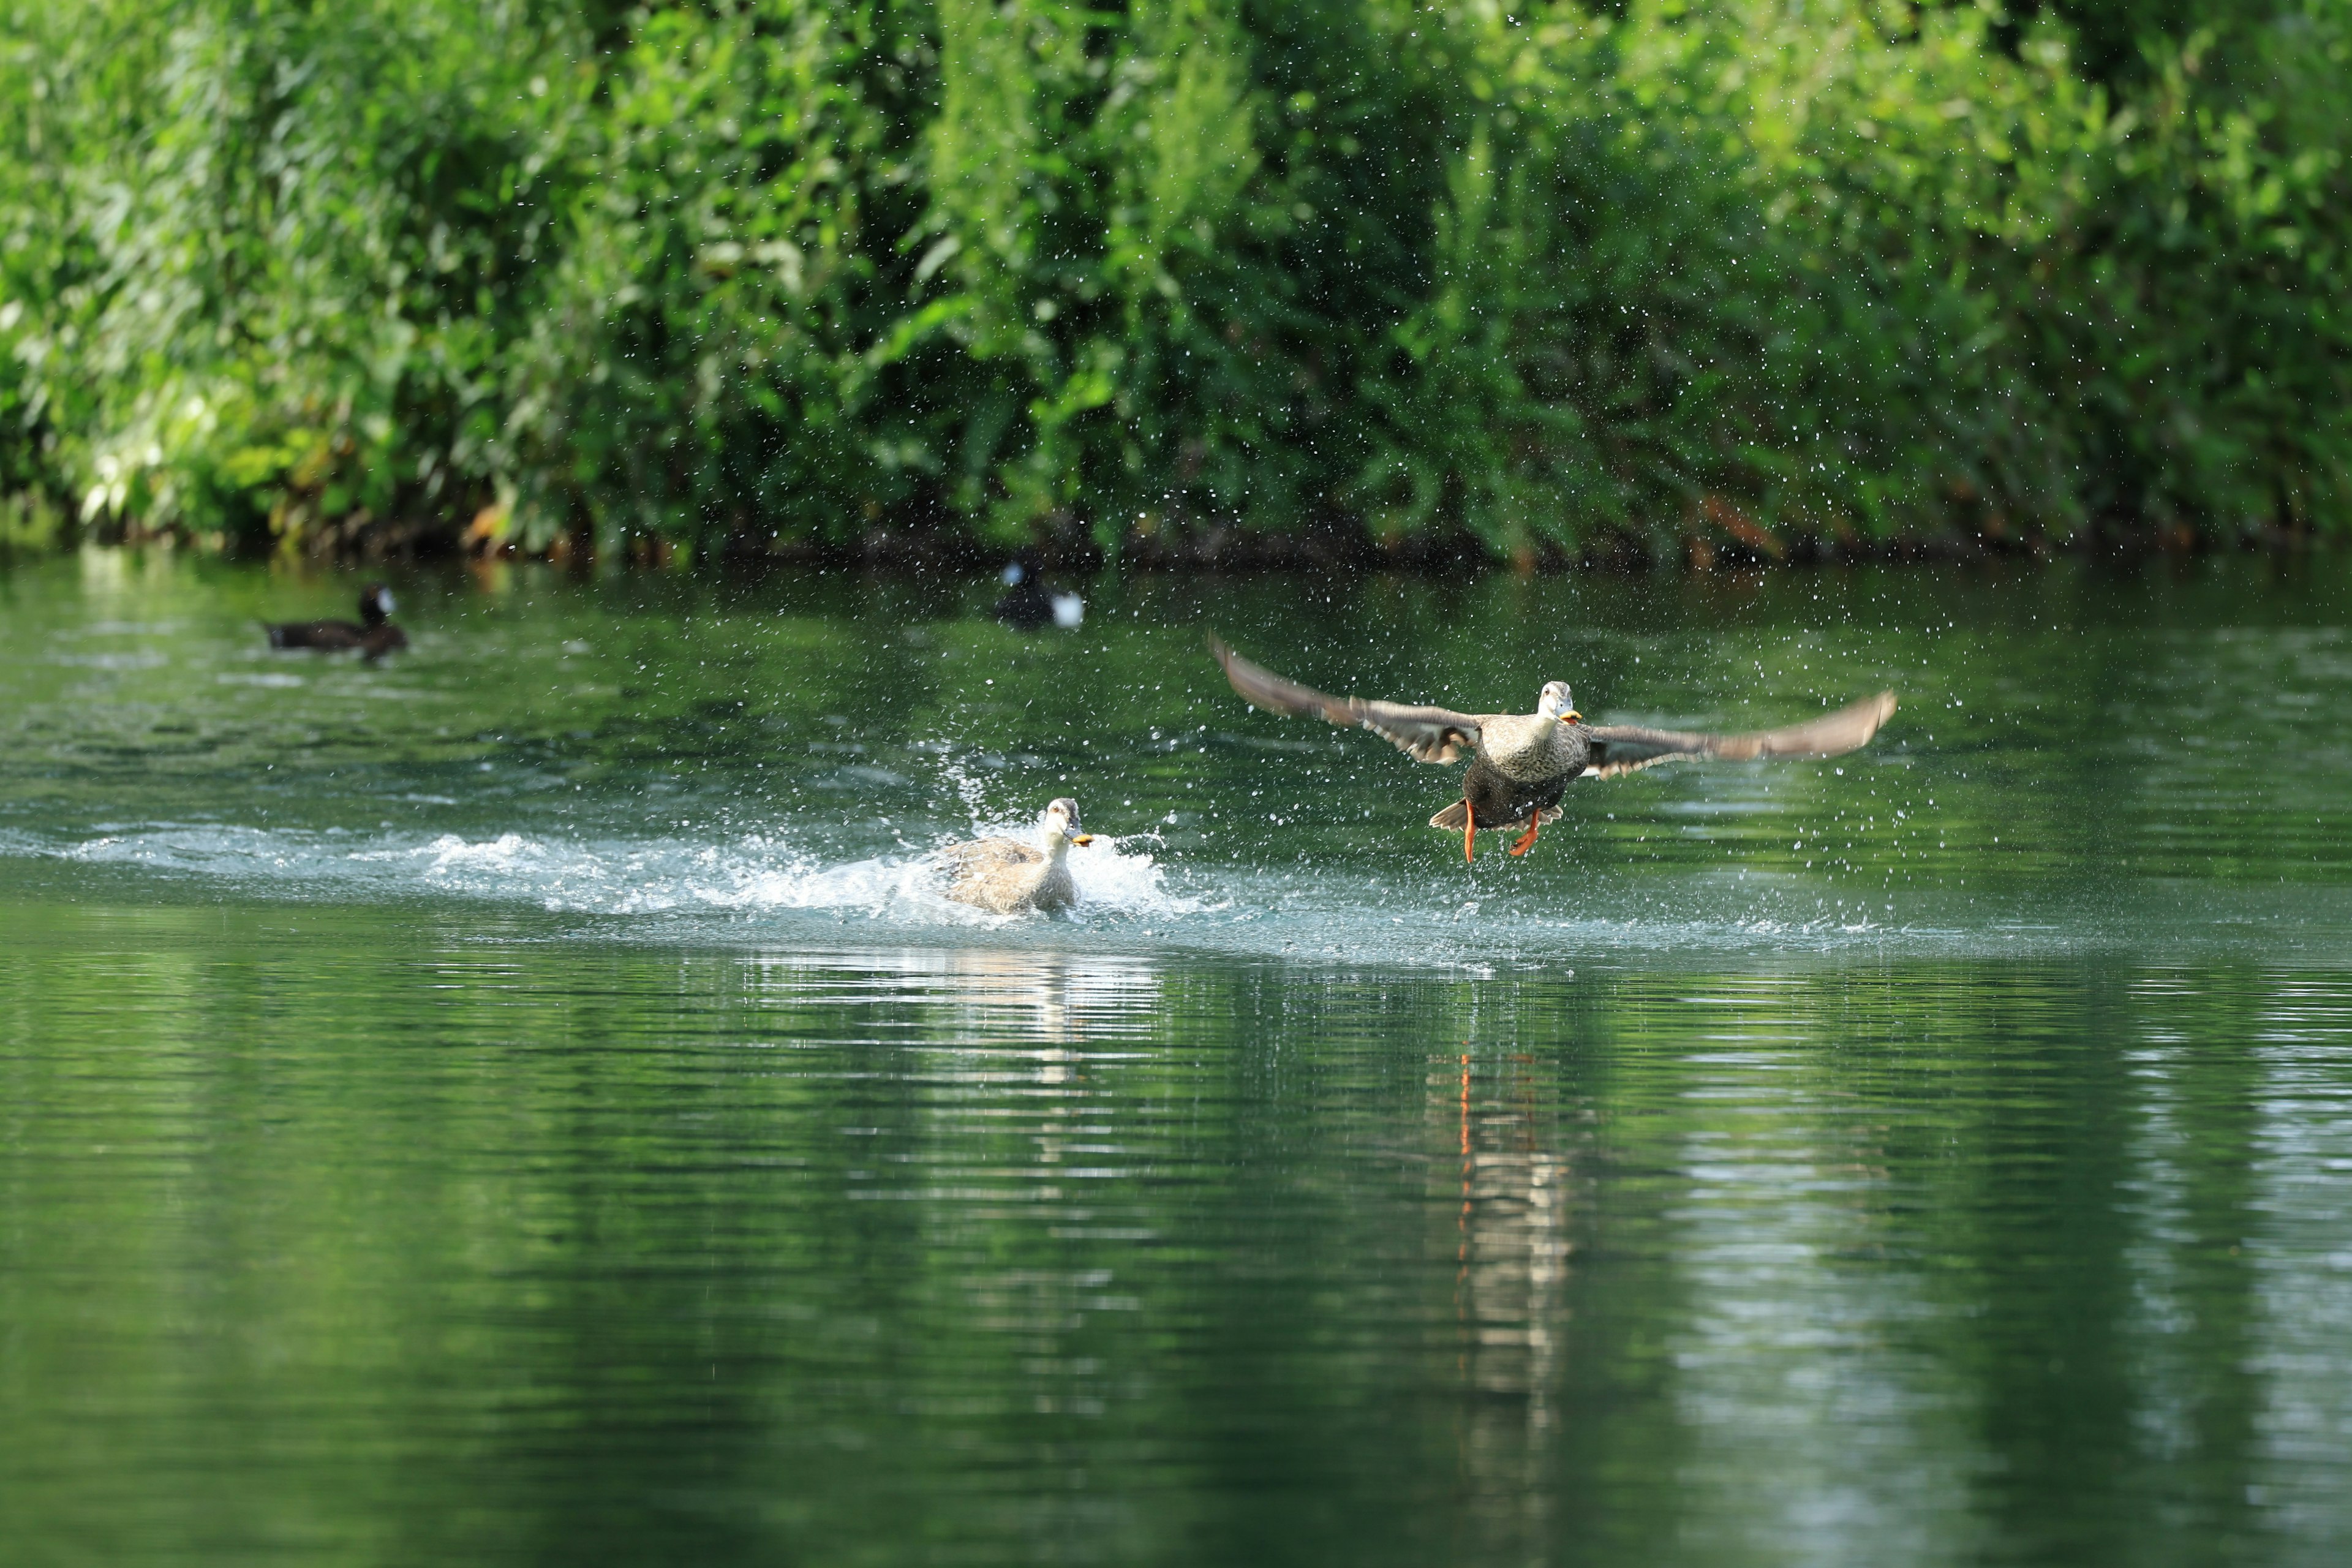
{"x": 375, "y": 636}
{"x": 1006, "y": 876}
{"x": 1521, "y": 763}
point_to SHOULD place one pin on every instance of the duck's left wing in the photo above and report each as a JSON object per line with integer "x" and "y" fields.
{"x": 991, "y": 852}
{"x": 1623, "y": 748}
{"x": 1424, "y": 734}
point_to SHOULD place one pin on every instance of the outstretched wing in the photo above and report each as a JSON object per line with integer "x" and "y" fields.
{"x": 1622, "y": 748}
{"x": 1425, "y": 734}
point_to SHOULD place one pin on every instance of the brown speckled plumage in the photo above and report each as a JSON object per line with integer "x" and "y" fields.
{"x": 1007, "y": 877}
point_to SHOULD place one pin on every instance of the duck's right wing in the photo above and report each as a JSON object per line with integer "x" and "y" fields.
{"x": 1623, "y": 748}
{"x": 1424, "y": 734}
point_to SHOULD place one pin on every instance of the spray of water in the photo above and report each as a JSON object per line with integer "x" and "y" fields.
{"x": 748, "y": 874}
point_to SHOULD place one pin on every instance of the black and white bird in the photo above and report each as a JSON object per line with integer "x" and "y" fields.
{"x": 374, "y": 635}
{"x": 1029, "y": 605}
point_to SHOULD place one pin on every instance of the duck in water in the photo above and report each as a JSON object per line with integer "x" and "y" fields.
{"x": 1028, "y": 605}
{"x": 374, "y": 635}
{"x": 1007, "y": 877}
{"x": 1521, "y": 763}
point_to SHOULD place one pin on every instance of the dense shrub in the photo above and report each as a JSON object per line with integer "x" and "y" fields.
{"x": 755, "y": 271}
{"x": 263, "y": 260}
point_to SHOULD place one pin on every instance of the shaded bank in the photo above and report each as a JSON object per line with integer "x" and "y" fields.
{"x": 742, "y": 277}
{"x": 1344, "y": 550}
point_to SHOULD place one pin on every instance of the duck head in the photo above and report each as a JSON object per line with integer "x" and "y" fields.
{"x": 1558, "y": 702}
{"x": 1060, "y": 822}
{"x": 375, "y": 605}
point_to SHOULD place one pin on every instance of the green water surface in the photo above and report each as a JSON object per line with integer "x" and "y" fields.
{"x": 527, "y": 1101}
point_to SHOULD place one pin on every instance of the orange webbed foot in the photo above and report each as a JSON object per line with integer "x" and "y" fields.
{"x": 1469, "y": 828}
{"x": 1526, "y": 840}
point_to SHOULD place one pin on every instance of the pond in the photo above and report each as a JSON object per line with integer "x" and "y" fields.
{"x": 528, "y": 1101}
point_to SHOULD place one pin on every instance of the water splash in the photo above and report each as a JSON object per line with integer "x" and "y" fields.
{"x": 773, "y": 885}
{"x": 749, "y": 874}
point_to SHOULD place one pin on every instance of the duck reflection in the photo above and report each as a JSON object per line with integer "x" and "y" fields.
{"x": 1509, "y": 1200}
{"x": 985, "y": 996}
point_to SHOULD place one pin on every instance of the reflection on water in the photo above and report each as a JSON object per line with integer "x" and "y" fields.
{"x": 344, "y": 1230}
{"x": 405, "y": 1162}
{"x": 1511, "y": 1249}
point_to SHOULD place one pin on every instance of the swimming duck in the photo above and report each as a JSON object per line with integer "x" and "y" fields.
{"x": 1007, "y": 877}
{"x": 375, "y": 636}
{"x": 1028, "y": 605}
{"x": 1521, "y": 763}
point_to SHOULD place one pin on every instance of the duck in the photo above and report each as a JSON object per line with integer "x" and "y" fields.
{"x": 374, "y": 635}
{"x": 1029, "y": 605}
{"x": 1522, "y": 764}
{"x": 1007, "y": 877}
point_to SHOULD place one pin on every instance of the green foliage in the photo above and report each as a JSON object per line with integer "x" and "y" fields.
{"x": 1803, "y": 280}
{"x": 762, "y": 270}
{"x": 264, "y": 257}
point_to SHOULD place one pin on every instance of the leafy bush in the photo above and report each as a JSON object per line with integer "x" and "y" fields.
{"x": 264, "y": 259}
{"x": 762, "y": 271}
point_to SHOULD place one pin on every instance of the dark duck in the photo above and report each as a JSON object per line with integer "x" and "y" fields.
{"x": 375, "y": 634}
{"x": 1028, "y": 605}
{"x": 1521, "y": 763}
